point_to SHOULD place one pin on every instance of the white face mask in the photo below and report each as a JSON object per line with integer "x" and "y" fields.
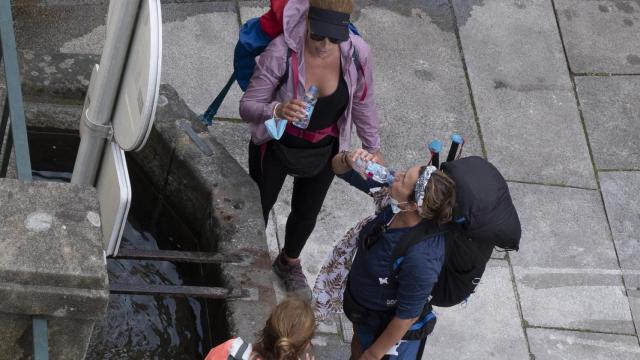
{"x": 395, "y": 205}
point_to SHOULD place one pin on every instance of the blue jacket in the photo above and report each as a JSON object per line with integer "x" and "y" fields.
{"x": 370, "y": 270}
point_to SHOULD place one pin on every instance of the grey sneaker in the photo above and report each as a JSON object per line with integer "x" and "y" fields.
{"x": 294, "y": 280}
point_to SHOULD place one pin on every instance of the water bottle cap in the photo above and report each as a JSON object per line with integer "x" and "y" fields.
{"x": 390, "y": 178}
{"x": 456, "y": 138}
{"x": 435, "y": 146}
{"x": 313, "y": 89}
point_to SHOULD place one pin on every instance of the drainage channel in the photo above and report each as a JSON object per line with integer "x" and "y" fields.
{"x": 161, "y": 304}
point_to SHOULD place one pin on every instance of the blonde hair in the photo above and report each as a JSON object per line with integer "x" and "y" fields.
{"x": 343, "y": 6}
{"x": 288, "y": 331}
{"x": 439, "y": 198}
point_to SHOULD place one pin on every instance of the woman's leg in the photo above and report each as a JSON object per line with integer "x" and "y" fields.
{"x": 269, "y": 174}
{"x": 306, "y": 202}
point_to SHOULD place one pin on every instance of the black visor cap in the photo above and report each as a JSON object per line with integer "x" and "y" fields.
{"x": 329, "y": 23}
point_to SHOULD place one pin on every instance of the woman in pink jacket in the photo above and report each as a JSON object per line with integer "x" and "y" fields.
{"x": 316, "y": 49}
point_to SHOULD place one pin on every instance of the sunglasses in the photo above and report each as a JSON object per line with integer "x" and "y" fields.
{"x": 316, "y": 37}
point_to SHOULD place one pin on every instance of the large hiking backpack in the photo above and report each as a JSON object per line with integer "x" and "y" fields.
{"x": 254, "y": 37}
{"x": 484, "y": 217}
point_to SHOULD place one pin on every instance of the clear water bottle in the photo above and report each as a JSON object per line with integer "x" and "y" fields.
{"x": 310, "y": 99}
{"x": 374, "y": 170}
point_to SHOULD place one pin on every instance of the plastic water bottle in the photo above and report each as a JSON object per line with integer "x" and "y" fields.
{"x": 310, "y": 99}
{"x": 374, "y": 170}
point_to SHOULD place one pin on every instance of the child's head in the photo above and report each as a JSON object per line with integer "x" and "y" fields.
{"x": 288, "y": 331}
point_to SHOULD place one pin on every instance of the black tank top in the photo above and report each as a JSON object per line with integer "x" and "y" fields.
{"x": 327, "y": 111}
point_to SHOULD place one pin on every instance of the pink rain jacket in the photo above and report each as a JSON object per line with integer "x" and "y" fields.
{"x": 258, "y": 101}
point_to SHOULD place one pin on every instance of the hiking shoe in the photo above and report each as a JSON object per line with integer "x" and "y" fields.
{"x": 294, "y": 280}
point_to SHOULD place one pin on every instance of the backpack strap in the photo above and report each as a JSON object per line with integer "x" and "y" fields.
{"x": 240, "y": 353}
{"x": 360, "y": 69}
{"x": 285, "y": 75}
{"x": 294, "y": 70}
{"x": 418, "y": 234}
{"x": 208, "y": 115}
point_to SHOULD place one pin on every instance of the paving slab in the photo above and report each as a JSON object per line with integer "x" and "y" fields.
{"x": 251, "y": 9}
{"x": 344, "y": 206}
{"x": 571, "y": 345}
{"x": 235, "y": 137}
{"x": 634, "y": 301}
{"x": 621, "y": 193}
{"x": 419, "y": 80}
{"x": 611, "y": 109}
{"x": 578, "y": 299}
{"x": 566, "y": 270}
{"x": 330, "y": 347}
{"x": 487, "y": 327}
{"x": 562, "y": 228}
{"x": 601, "y": 36}
{"x": 523, "y": 93}
{"x": 197, "y": 56}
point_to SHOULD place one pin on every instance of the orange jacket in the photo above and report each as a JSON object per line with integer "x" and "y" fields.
{"x": 236, "y": 349}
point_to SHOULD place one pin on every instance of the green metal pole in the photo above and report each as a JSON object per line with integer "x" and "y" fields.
{"x": 40, "y": 339}
{"x": 14, "y": 92}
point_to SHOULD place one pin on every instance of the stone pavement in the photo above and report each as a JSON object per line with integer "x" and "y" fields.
{"x": 547, "y": 90}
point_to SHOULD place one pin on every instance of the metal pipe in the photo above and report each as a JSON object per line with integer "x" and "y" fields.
{"x": 98, "y": 111}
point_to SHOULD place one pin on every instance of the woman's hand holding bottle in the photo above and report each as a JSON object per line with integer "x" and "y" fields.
{"x": 292, "y": 110}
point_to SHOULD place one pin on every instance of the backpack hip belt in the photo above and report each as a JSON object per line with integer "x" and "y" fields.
{"x": 312, "y": 136}
{"x": 361, "y": 315}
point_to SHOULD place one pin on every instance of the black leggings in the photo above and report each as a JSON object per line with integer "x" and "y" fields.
{"x": 306, "y": 200}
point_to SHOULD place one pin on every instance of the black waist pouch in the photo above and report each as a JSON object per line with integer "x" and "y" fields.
{"x": 303, "y": 162}
{"x": 360, "y": 315}
{"x": 379, "y": 320}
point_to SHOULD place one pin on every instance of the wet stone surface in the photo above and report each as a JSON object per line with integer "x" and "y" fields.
{"x": 469, "y": 321}
{"x": 566, "y": 271}
{"x": 601, "y": 36}
{"x": 611, "y": 109}
{"x": 523, "y": 93}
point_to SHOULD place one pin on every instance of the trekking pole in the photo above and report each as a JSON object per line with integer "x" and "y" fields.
{"x": 434, "y": 148}
{"x": 456, "y": 141}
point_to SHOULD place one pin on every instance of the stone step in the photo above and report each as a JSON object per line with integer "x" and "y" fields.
{"x": 49, "y": 29}
{"x": 57, "y": 78}
{"x": 53, "y": 116}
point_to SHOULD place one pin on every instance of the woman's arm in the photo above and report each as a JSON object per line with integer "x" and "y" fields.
{"x": 391, "y": 335}
{"x": 344, "y": 160}
{"x": 258, "y": 102}
{"x": 365, "y": 113}
{"x": 342, "y": 165}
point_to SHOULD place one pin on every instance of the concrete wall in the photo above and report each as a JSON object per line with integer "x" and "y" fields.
{"x": 52, "y": 266}
{"x": 221, "y": 205}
